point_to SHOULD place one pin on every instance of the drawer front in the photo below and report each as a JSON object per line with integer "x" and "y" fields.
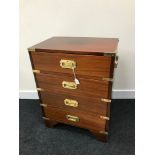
{"x": 65, "y": 84}
{"x": 99, "y": 66}
{"x": 80, "y": 119}
{"x": 79, "y": 103}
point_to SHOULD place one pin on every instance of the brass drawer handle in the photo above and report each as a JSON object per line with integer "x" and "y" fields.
{"x": 72, "y": 118}
{"x": 69, "y": 85}
{"x": 71, "y": 64}
{"x": 72, "y": 103}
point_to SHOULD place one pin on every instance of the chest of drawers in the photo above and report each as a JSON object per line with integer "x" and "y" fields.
{"x": 57, "y": 62}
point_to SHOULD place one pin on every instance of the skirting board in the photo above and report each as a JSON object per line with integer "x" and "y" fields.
{"x": 116, "y": 94}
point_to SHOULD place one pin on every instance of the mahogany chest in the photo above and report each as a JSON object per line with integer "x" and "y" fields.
{"x": 74, "y": 77}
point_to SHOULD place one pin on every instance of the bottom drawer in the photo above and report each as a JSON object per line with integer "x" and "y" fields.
{"x": 80, "y": 119}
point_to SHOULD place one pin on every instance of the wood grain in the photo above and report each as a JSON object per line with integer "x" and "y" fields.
{"x": 87, "y": 87}
{"x": 86, "y": 65}
{"x": 78, "y": 45}
{"x": 87, "y": 104}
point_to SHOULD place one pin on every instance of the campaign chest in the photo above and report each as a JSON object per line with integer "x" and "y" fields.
{"x": 74, "y": 77}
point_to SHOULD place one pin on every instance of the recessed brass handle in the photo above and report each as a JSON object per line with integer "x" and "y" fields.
{"x": 72, "y": 103}
{"x": 72, "y": 118}
{"x": 69, "y": 85}
{"x": 70, "y": 64}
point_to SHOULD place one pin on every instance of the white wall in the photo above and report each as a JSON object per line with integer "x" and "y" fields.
{"x": 42, "y": 19}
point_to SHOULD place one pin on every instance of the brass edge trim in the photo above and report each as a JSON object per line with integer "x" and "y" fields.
{"x": 104, "y": 117}
{"x": 45, "y": 118}
{"x": 106, "y": 133}
{"x": 107, "y": 79}
{"x": 43, "y": 105}
{"x": 116, "y": 51}
{"x": 108, "y": 54}
{"x": 105, "y": 100}
{"x": 40, "y": 89}
{"x": 103, "y": 132}
{"x": 36, "y": 71}
{"x": 31, "y": 49}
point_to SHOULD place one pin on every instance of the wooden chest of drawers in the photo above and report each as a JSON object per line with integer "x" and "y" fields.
{"x": 74, "y": 78}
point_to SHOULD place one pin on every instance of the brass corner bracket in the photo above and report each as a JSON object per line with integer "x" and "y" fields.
{"x": 45, "y": 118}
{"x": 31, "y": 49}
{"x": 103, "y": 132}
{"x": 104, "y": 117}
{"x": 105, "y": 100}
{"x": 43, "y": 105}
{"x": 36, "y": 71}
{"x": 40, "y": 89}
{"x": 107, "y": 79}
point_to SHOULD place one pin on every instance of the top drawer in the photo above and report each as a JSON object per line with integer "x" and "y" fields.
{"x": 89, "y": 65}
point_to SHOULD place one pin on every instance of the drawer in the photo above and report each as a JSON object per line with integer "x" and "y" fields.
{"x": 70, "y": 102}
{"x": 80, "y": 119}
{"x": 99, "y": 66}
{"x": 87, "y": 87}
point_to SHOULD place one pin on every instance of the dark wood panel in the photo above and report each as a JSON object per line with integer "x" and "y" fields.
{"x": 87, "y": 104}
{"x": 87, "y": 87}
{"x": 99, "y": 66}
{"x": 86, "y": 120}
{"x": 81, "y": 45}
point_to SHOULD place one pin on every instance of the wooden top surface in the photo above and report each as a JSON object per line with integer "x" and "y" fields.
{"x": 78, "y": 45}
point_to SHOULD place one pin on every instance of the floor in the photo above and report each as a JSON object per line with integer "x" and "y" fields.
{"x": 37, "y": 139}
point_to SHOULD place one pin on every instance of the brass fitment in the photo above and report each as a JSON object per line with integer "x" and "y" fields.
{"x": 45, "y": 118}
{"x": 40, "y": 89}
{"x": 103, "y": 132}
{"x": 36, "y": 71}
{"x": 43, "y": 105}
{"x": 106, "y": 100}
{"x": 104, "y": 117}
